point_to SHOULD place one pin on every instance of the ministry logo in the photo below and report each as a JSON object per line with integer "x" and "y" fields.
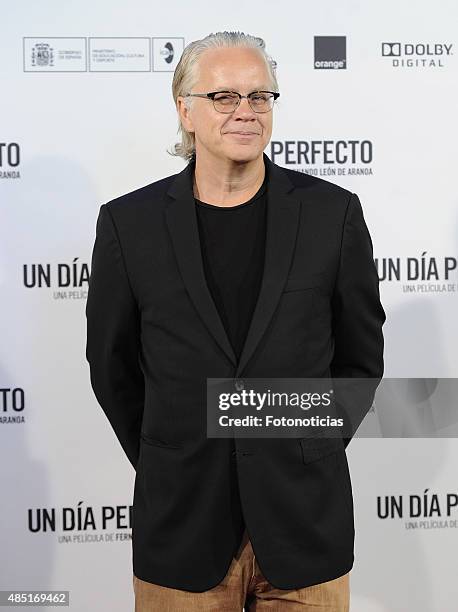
{"x": 58, "y": 54}
{"x": 42, "y": 55}
{"x": 330, "y": 52}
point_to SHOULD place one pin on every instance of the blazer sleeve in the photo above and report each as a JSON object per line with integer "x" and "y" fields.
{"x": 358, "y": 317}
{"x": 113, "y": 338}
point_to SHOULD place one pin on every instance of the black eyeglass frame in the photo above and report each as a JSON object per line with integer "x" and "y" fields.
{"x": 211, "y": 96}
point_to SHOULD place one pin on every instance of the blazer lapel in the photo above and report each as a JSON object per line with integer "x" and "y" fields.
{"x": 282, "y": 223}
{"x": 182, "y": 223}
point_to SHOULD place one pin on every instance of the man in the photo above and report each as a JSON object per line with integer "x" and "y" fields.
{"x": 232, "y": 267}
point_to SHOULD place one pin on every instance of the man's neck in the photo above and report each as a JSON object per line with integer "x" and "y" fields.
{"x": 227, "y": 184}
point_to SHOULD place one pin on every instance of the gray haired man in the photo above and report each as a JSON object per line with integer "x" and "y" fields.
{"x": 233, "y": 267}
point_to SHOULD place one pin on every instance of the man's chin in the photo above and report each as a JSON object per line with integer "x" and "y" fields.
{"x": 242, "y": 154}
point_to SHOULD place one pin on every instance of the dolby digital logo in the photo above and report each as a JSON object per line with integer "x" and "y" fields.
{"x": 420, "y": 511}
{"x": 330, "y": 53}
{"x": 69, "y": 281}
{"x": 423, "y": 274}
{"x": 417, "y": 55}
{"x": 328, "y": 157}
{"x": 10, "y": 159}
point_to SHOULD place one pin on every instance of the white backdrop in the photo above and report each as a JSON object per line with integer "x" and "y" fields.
{"x": 86, "y": 115}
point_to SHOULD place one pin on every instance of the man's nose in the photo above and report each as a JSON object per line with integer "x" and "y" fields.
{"x": 244, "y": 107}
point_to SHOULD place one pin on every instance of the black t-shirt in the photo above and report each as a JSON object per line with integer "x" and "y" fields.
{"x": 232, "y": 240}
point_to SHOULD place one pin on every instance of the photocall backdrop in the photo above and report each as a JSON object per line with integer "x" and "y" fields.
{"x": 368, "y": 101}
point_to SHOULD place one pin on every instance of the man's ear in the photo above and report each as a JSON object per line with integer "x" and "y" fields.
{"x": 184, "y": 114}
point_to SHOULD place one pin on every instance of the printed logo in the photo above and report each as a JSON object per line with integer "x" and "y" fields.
{"x": 330, "y": 157}
{"x": 330, "y": 52}
{"x": 82, "y": 524}
{"x": 424, "y": 274}
{"x": 166, "y": 53}
{"x": 68, "y": 281}
{"x": 417, "y": 55}
{"x": 119, "y": 54}
{"x": 10, "y": 159}
{"x": 12, "y": 404}
{"x": 42, "y": 55}
{"x": 426, "y": 511}
{"x": 58, "y": 54}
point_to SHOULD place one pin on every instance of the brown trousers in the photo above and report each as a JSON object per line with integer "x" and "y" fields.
{"x": 244, "y": 587}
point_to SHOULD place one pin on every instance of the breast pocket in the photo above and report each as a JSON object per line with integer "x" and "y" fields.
{"x": 309, "y": 293}
{"x": 319, "y": 447}
{"x": 149, "y": 441}
{"x": 299, "y": 298}
{"x": 303, "y": 282}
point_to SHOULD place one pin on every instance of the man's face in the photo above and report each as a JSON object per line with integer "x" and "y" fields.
{"x": 235, "y": 69}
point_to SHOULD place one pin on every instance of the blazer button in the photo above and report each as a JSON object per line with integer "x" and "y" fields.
{"x": 239, "y": 384}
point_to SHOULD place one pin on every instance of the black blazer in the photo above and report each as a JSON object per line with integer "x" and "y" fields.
{"x": 154, "y": 336}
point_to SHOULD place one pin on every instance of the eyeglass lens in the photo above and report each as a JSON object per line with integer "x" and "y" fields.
{"x": 226, "y": 102}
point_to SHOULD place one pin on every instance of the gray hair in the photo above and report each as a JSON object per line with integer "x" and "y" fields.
{"x": 186, "y": 76}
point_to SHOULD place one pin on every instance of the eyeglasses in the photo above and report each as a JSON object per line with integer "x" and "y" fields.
{"x": 228, "y": 101}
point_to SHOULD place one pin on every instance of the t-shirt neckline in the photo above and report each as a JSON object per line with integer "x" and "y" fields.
{"x": 259, "y": 192}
